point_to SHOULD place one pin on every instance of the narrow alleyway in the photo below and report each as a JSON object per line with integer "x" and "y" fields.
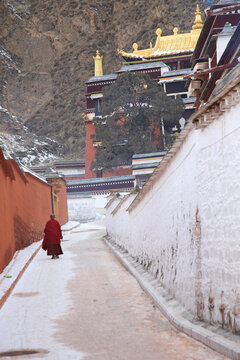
{"x": 85, "y": 305}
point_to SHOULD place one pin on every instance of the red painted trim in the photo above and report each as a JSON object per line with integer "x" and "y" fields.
{"x": 222, "y": 9}
{"x": 214, "y": 69}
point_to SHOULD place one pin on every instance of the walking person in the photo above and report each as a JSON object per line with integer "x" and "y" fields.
{"x": 52, "y": 238}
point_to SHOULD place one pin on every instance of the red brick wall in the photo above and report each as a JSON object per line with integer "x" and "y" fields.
{"x": 25, "y": 205}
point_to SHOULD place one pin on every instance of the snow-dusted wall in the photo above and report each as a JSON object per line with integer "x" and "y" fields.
{"x": 186, "y": 227}
{"x": 81, "y": 208}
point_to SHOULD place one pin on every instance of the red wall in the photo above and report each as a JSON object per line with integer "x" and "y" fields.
{"x": 62, "y": 205}
{"x": 90, "y": 151}
{"x": 25, "y": 206}
{"x": 119, "y": 171}
{"x": 90, "y": 156}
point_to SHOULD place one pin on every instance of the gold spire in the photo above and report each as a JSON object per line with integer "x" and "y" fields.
{"x": 98, "y": 71}
{"x": 158, "y": 41}
{"x": 198, "y": 24}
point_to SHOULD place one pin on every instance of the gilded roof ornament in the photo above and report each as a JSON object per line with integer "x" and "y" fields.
{"x": 98, "y": 71}
{"x": 198, "y": 24}
{"x": 171, "y": 44}
{"x": 175, "y": 31}
{"x": 135, "y": 46}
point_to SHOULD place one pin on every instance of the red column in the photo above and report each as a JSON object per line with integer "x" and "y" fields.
{"x": 90, "y": 150}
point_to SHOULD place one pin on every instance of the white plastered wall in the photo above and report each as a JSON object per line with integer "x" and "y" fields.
{"x": 186, "y": 229}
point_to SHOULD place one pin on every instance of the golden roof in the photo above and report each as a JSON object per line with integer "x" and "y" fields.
{"x": 171, "y": 44}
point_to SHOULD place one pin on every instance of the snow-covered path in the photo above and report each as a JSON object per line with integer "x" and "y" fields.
{"x": 85, "y": 305}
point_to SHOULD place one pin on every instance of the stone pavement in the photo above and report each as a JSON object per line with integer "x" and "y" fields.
{"x": 217, "y": 339}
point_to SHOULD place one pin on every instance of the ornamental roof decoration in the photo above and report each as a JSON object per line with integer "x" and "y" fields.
{"x": 169, "y": 45}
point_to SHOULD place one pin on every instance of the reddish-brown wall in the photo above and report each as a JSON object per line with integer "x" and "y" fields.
{"x": 25, "y": 206}
{"x": 119, "y": 171}
{"x": 90, "y": 152}
{"x": 62, "y": 205}
{"x": 90, "y": 156}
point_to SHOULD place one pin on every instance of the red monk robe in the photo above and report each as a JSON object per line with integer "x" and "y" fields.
{"x": 51, "y": 241}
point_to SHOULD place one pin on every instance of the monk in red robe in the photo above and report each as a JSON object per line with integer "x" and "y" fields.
{"x": 51, "y": 241}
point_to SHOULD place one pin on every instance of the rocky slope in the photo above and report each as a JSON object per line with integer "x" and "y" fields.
{"x": 46, "y": 50}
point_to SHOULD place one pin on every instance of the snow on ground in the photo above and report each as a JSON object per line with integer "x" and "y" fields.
{"x": 7, "y": 60}
{"x": 12, "y": 144}
{"x": 69, "y": 226}
{"x": 11, "y": 272}
{"x": 21, "y": 257}
{"x": 18, "y": 7}
{"x": 39, "y": 313}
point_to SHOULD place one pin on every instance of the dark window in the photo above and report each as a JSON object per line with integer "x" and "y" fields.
{"x": 99, "y": 173}
{"x": 98, "y": 107}
{"x": 175, "y": 87}
{"x": 173, "y": 65}
{"x": 185, "y": 64}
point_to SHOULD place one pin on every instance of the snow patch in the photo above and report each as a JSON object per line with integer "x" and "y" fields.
{"x": 18, "y": 142}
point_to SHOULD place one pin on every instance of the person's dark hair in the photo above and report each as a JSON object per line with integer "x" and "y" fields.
{"x": 52, "y": 216}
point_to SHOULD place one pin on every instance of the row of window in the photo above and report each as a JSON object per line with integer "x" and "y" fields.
{"x": 102, "y": 83}
{"x": 90, "y": 185}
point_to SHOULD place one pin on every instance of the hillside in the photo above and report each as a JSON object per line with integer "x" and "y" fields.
{"x": 46, "y": 50}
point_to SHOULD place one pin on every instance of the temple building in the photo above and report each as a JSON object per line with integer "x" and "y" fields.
{"x": 217, "y": 50}
{"x": 167, "y": 62}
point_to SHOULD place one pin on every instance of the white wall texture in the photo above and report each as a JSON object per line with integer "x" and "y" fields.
{"x": 81, "y": 208}
{"x": 186, "y": 229}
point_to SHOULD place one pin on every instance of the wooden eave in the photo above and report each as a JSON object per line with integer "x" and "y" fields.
{"x": 154, "y": 58}
{"x": 218, "y": 9}
{"x": 232, "y": 48}
{"x": 212, "y": 26}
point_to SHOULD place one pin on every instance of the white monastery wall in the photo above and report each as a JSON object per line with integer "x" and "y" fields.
{"x": 121, "y": 233}
{"x": 81, "y": 208}
{"x": 186, "y": 228}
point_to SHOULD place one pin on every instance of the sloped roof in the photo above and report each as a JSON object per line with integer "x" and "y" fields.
{"x": 142, "y": 66}
{"x": 102, "y": 78}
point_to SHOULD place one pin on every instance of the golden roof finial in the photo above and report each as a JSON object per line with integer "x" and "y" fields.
{"x": 175, "y": 31}
{"x": 198, "y": 24}
{"x": 135, "y": 46}
{"x": 98, "y": 71}
{"x": 159, "y": 33}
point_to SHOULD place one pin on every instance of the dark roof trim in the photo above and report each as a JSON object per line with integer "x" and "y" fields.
{"x": 100, "y": 180}
{"x": 102, "y": 78}
{"x": 149, "y": 155}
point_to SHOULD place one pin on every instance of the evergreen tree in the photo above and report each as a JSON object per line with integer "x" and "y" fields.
{"x": 135, "y": 111}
